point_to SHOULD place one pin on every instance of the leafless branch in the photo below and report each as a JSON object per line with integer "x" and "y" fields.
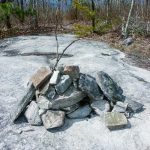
{"x": 59, "y": 57}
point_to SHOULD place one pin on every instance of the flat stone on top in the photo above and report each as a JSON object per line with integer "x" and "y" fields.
{"x": 40, "y": 76}
{"x": 115, "y": 120}
{"x": 55, "y": 78}
{"x": 72, "y": 71}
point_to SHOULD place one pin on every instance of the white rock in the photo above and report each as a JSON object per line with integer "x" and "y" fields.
{"x": 55, "y": 78}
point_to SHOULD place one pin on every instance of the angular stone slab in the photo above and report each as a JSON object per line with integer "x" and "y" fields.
{"x": 134, "y": 106}
{"x": 53, "y": 119}
{"x": 81, "y": 112}
{"x": 88, "y": 85}
{"x": 115, "y": 120}
{"x": 30, "y": 92}
{"x": 63, "y": 84}
{"x": 55, "y": 78}
{"x": 120, "y": 107}
{"x": 72, "y": 71}
{"x": 40, "y": 76}
{"x": 109, "y": 87}
{"x": 66, "y": 101}
{"x": 32, "y": 114}
{"x": 43, "y": 102}
{"x": 100, "y": 106}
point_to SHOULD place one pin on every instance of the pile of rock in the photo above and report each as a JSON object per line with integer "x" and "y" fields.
{"x": 53, "y": 96}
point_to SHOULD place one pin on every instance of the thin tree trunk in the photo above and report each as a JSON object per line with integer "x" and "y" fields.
{"x": 129, "y": 16}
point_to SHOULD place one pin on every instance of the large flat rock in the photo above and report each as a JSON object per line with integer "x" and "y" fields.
{"x": 85, "y": 134}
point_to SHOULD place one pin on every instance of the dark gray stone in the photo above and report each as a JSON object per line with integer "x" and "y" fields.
{"x": 63, "y": 84}
{"x": 53, "y": 119}
{"x": 109, "y": 87}
{"x": 100, "y": 106}
{"x": 81, "y": 112}
{"x": 30, "y": 92}
{"x": 51, "y": 93}
{"x": 134, "y": 106}
{"x": 88, "y": 85}
{"x": 32, "y": 114}
{"x": 115, "y": 120}
{"x": 120, "y": 107}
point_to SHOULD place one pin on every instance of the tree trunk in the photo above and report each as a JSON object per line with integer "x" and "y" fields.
{"x": 93, "y": 17}
{"x": 129, "y": 16}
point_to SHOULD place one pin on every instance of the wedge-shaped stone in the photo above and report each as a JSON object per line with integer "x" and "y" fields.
{"x": 55, "y": 78}
{"x": 120, "y": 107}
{"x": 41, "y": 76}
{"x": 100, "y": 106}
{"x": 109, "y": 87}
{"x": 115, "y": 120}
{"x": 66, "y": 101}
{"x": 88, "y": 85}
{"x": 63, "y": 84}
{"x": 72, "y": 71}
{"x": 53, "y": 119}
{"x": 32, "y": 114}
{"x": 134, "y": 106}
{"x": 30, "y": 92}
{"x": 81, "y": 112}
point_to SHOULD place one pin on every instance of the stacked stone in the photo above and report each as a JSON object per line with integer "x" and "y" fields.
{"x": 53, "y": 96}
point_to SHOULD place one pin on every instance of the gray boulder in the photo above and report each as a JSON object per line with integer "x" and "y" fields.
{"x": 120, "y": 107}
{"x": 81, "y": 112}
{"x": 55, "y": 78}
{"x": 63, "y": 84}
{"x": 32, "y": 114}
{"x": 109, "y": 87}
{"x": 66, "y": 101}
{"x": 115, "y": 120}
{"x": 100, "y": 106}
{"x": 30, "y": 92}
{"x": 53, "y": 119}
{"x": 88, "y": 85}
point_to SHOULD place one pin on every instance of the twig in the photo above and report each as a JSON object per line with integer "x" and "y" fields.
{"x": 57, "y": 61}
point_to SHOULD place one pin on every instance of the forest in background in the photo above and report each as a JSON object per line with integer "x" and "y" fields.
{"x": 110, "y": 21}
{"x": 85, "y": 16}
